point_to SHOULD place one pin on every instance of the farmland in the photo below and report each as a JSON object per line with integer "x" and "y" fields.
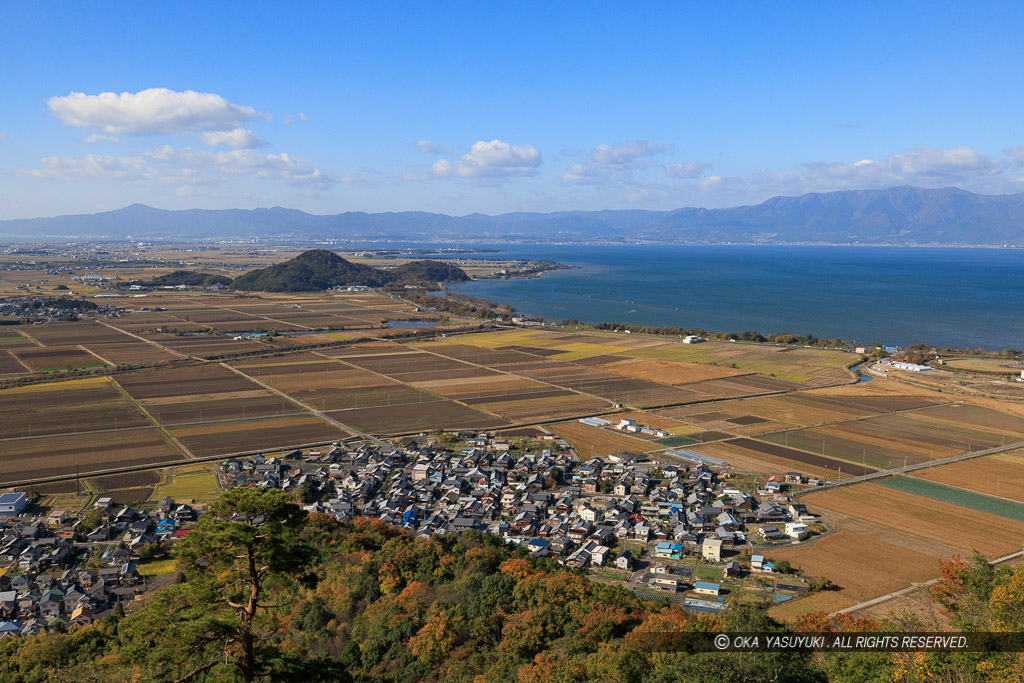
{"x": 417, "y": 417}
{"x": 1000, "y": 475}
{"x": 50, "y": 456}
{"x": 889, "y": 538}
{"x": 595, "y": 441}
{"x": 224, "y": 438}
{"x": 57, "y": 358}
{"x": 72, "y": 406}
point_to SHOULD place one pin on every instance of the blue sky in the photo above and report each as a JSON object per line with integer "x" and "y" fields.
{"x": 497, "y": 107}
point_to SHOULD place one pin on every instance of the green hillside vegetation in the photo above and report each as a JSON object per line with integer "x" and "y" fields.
{"x": 190, "y": 278}
{"x": 266, "y": 592}
{"x": 429, "y": 271}
{"x": 320, "y": 269}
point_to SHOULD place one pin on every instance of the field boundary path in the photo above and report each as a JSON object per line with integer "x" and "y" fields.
{"x": 311, "y": 409}
{"x": 913, "y": 587}
{"x": 164, "y": 431}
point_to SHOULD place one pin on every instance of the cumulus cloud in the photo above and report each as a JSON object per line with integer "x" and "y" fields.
{"x": 428, "y": 147}
{"x": 99, "y": 137}
{"x": 156, "y": 110}
{"x": 494, "y": 159}
{"x": 183, "y": 166}
{"x": 690, "y": 170}
{"x": 239, "y": 138}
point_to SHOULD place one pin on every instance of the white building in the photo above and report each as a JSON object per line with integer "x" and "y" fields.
{"x": 910, "y": 367}
{"x": 12, "y": 504}
{"x": 692, "y": 339}
{"x": 796, "y": 530}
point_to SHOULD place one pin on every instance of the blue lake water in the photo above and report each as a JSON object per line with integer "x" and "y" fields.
{"x": 944, "y": 297}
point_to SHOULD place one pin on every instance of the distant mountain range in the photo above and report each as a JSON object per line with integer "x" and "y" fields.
{"x": 899, "y": 215}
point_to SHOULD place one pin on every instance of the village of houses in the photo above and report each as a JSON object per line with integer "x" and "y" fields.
{"x": 681, "y": 528}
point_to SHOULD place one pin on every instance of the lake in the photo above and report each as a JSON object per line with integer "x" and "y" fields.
{"x": 940, "y": 296}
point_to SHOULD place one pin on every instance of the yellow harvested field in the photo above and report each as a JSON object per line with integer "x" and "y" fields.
{"x": 668, "y": 371}
{"x": 67, "y": 385}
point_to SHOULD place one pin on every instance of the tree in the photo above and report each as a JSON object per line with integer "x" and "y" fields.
{"x": 91, "y": 519}
{"x": 248, "y": 544}
{"x": 783, "y": 567}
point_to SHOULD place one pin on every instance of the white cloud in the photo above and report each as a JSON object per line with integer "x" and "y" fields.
{"x": 184, "y": 167}
{"x": 620, "y": 164}
{"x": 1015, "y": 153}
{"x": 619, "y": 155}
{"x": 301, "y": 117}
{"x": 239, "y": 138}
{"x": 428, "y": 147}
{"x": 99, "y": 137}
{"x": 690, "y": 170}
{"x": 494, "y": 159}
{"x": 156, "y": 110}
{"x": 919, "y": 166}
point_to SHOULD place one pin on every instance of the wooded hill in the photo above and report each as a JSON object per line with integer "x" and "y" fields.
{"x": 320, "y": 269}
{"x": 189, "y": 278}
{"x": 266, "y": 592}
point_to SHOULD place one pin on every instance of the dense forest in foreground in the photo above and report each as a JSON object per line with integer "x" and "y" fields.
{"x": 267, "y": 592}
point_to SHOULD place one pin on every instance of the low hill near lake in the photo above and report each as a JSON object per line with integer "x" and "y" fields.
{"x": 189, "y": 278}
{"x": 320, "y": 269}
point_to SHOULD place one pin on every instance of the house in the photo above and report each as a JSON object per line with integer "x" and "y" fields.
{"x": 797, "y": 530}
{"x": 707, "y": 588}
{"x": 623, "y": 561}
{"x": 793, "y": 478}
{"x": 731, "y": 569}
{"x": 711, "y": 550}
{"x": 668, "y": 551}
{"x": 12, "y": 504}
{"x": 666, "y": 582}
{"x": 770, "y": 533}
{"x": 798, "y": 511}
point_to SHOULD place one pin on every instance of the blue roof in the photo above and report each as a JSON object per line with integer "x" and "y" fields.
{"x": 9, "y": 498}
{"x": 707, "y": 585}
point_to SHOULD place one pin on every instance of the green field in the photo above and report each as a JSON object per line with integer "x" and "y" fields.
{"x": 949, "y": 494}
{"x": 675, "y": 441}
